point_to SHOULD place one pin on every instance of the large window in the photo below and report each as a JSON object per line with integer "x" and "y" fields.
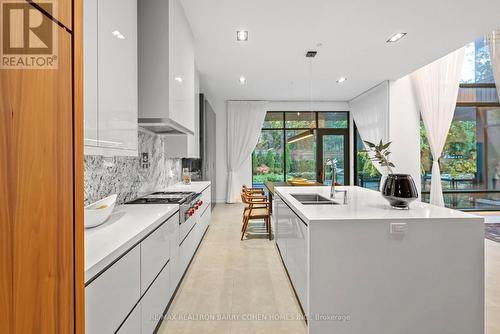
{"x": 302, "y": 145}
{"x": 365, "y": 172}
{"x": 470, "y": 164}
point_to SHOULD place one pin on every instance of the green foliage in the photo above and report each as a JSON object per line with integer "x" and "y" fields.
{"x": 458, "y": 168}
{"x": 288, "y": 158}
{"x": 278, "y": 162}
{"x": 270, "y": 177}
{"x": 380, "y": 154}
{"x": 366, "y": 165}
{"x": 270, "y": 160}
{"x": 459, "y": 153}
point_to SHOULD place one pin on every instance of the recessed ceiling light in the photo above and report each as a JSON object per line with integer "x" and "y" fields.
{"x": 242, "y": 35}
{"x": 118, "y": 34}
{"x": 243, "y": 80}
{"x": 341, "y": 79}
{"x": 178, "y": 79}
{"x": 396, "y": 37}
{"x": 311, "y": 54}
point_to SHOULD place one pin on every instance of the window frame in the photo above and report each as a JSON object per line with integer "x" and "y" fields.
{"x": 341, "y": 131}
{"x": 476, "y": 105}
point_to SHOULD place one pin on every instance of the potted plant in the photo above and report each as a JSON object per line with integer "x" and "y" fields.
{"x": 398, "y": 189}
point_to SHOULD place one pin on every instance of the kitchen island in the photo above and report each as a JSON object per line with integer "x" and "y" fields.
{"x": 363, "y": 267}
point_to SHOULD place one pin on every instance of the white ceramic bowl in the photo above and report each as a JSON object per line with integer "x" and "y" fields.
{"x": 97, "y": 213}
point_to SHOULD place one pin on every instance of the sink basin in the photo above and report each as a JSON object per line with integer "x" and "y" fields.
{"x": 313, "y": 199}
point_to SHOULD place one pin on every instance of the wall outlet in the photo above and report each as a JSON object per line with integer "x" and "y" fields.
{"x": 398, "y": 228}
{"x": 145, "y": 160}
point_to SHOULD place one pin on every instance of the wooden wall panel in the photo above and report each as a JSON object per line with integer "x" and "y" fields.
{"x": 41, "y": 193}
{"x": 6, "y": 170}
{"x": 78, "y": 113}
{"x": 63, "y": 13}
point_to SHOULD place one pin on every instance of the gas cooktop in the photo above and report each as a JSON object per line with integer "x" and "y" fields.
{"x": 164, "y": 197}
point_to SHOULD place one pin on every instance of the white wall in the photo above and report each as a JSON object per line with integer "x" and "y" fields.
{"x": 404, "y": 124}
{"x": 392, "y": 105}
{"x": 245, "y": 173}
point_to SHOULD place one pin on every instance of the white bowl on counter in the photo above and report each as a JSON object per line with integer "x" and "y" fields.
{"x": 97, "y": 213}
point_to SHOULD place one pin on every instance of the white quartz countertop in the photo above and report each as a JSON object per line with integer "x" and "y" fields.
{"x": 127, "y": 225}
{"x": 362, "y": 204}
{"x": 196, "y": 186}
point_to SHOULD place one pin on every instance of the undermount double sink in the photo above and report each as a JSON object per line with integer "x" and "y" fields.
{"x": 313, "y": 199}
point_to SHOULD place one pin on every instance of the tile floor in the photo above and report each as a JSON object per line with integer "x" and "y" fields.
{"x": 231, "y": 283}
{"x": 237, "y": 281}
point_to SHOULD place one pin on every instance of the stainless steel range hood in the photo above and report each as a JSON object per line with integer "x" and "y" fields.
{"x": 163, "y": 126}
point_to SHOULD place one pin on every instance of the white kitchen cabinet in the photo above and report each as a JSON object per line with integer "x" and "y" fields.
{"x": 90, "y": 90}
{"x": 174, "y": 259}
{"x": 291, "y": 236}
{"x": 155, "y": 301}
{"x": 301, "y": 263}
{"x": 282, "y": 226}
{"x": 133, "y": 323}
{"x": 186, "y": 145}
{"x": 111, "y": 77}
{"x": 155, "y": 251}
{"x": 186, "y": 252}
{"x": 113, "y": 294}
{"x": 206, "y": 198}
{"x": 181, "y": 146}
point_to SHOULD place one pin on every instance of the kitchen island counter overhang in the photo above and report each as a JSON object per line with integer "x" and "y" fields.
{"x": 363, "y": 265}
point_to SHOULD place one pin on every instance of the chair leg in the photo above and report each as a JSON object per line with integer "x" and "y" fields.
{"x": 245, "y": 224}
{"x": 270, "y": 228}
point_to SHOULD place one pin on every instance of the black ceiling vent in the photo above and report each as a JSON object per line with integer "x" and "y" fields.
{"x": 311, "y": 54}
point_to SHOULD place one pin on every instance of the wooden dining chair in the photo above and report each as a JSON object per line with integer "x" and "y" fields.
{"x": 257, "y": 209}
{"x": 257, "y": 194}
{"x": 248, "y": 190}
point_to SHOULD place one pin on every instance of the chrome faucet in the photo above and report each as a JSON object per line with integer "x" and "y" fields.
{"x": 332, "y": 187}
{"x": 334, "y": 191}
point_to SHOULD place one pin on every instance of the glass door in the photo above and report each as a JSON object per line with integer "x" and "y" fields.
{"x": 333, "y": 150}
{"x": 300, "y": 155}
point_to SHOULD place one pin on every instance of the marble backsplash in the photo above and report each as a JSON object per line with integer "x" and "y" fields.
{"x": 126, "y": 176}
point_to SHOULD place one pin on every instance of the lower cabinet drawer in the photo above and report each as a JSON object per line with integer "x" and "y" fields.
{"x": 133, "y": 323}
{"x": 155, "y": 301}
{"x": 112, "y": 295}
{"x": 155, "y": 251}
{"x": 185, "y": 252}
{"x": 206, "y": 197}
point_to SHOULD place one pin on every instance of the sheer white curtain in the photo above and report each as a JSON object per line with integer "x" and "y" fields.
{"x": 244, "y": 124}
{"x": 493, "y": 40}
{"x": 436, "y": 88}
{"x": 370, "y": 112}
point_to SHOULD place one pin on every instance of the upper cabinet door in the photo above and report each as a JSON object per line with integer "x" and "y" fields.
{"x": 61, "y": 10}
{"x": 117, "y": 73}
{"x": 182, "y": 67}
{"x": 90, "y": 90}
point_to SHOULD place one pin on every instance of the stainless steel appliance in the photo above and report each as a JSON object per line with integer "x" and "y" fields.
{"x": 189, "y": 201}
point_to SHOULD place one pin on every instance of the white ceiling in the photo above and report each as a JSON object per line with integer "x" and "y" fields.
{"x": 353, "y": 34}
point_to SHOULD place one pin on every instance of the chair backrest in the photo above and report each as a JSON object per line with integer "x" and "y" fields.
{"x": 245, "y": 189}
{"x": 244, "y": 198}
